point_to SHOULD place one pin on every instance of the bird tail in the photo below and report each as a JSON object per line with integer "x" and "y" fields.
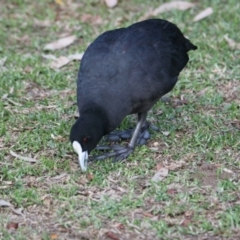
{"x": 189, "y": 46}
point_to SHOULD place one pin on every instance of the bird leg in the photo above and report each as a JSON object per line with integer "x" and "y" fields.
{"x": 141, "y": 122}
{"x": 122, "y": 152}
{"x": 145, "y": 135}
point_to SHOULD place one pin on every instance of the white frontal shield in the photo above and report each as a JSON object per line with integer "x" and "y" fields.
{"x": 82, "y": 156}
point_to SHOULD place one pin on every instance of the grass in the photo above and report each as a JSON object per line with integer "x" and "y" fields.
{"x": 52, "y": 198}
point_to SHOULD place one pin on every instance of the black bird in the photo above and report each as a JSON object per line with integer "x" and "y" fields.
{"x": 125, "y": 71}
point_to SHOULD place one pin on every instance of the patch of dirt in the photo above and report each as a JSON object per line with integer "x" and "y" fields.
{"x": 207, "y": 175}
{"x": 34, "y": 91}
{"x": 230, "y": 91}
{"x": 92, "y": 19}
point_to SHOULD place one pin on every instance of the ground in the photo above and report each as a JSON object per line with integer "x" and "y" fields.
{"x": 196, "y": 194}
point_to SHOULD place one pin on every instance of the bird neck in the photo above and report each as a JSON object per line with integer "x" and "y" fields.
{"x": 96, "y": 116}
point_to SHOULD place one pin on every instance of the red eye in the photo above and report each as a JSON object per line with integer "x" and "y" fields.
{"x": 85, "y": 139}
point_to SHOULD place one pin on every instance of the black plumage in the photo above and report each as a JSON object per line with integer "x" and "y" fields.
{"x": 126, "y": 71}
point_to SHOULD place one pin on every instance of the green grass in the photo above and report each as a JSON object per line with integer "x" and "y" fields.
{"x": 200, "y": 198}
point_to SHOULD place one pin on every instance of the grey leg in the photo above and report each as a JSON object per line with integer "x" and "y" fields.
{"x": 141, "y": 121}
{"x": 120, "y": 152}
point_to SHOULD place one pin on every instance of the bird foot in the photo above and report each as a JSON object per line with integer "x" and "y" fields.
{"x": 122, "y": 152}
{"x": 117, "y": 136}
{"x": 119, "y": 152}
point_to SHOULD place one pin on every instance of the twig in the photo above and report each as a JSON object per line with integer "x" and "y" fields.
{"x": 27, "y": 159}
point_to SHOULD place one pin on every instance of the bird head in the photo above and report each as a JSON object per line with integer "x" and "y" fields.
{"x": 84, "y": 136}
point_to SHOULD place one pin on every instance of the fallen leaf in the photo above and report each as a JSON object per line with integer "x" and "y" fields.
{"x": 165, "y": 7}
{"x": 236, "y": 124}
{"x": 90, "y": 176}
{"x": 202, "y": 92}
{"x": 59, "y": 2}
{"x": 35, "y": 91}
{"x": 112, "y": 236}
{"x": 159, "y": 166}
{"x": 28, "y": 69}
{"x": 186, "y": 222}
{"x": 2, "y": 62}
{"x": 54, "y": 236}
{"x": 188, "y": 218}
{"x": 63, "y": 61}
{"x": 27, "y": 159}
{"x": 111, "y": 3}
{"x": 60, "y": 62}
{"x": 42, "y": 23}
{"x": 160, "y": 175}
{"x": 146, "y": 214}
{"x": 4, "y": 96}
{"x": 228, "y": 170}
{"x": 172, "y": 191}
{"x": 25, "y": 39}
{"x": 174, "y": 186}
{"x": 232, "y": 43}
{"x": 154, "y": 149}
{"x": 12, "y": 225}
{"x": 5, "y": 184}
{"x": 60, "y": 43}
{"x": 165, "y": 133}
{"x": 13, "y": 102}
{"x": 189, "y": 213}
{"x": 120, "y": 226}
{"x": 4, "y": 203}
{"x": 49, "y": 56}
{"x": 76, "y": 56}
{"x": 47, "y": 201}
{"x": 86, "y": 17}
{"x": 146, "y": 15}
{"x": 93, "y": 19}
{"x": 18, "y": 211}
{"x": 205, "y": 13}
{"x": 118, "y": 21}
{"x": 176, "y": 165}
{"x": 58, "y": 177}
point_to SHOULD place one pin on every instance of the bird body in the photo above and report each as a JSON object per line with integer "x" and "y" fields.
{"x": 126, "y": 71}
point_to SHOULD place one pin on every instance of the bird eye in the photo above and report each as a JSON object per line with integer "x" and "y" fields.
{"x": 86, "y": 139}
